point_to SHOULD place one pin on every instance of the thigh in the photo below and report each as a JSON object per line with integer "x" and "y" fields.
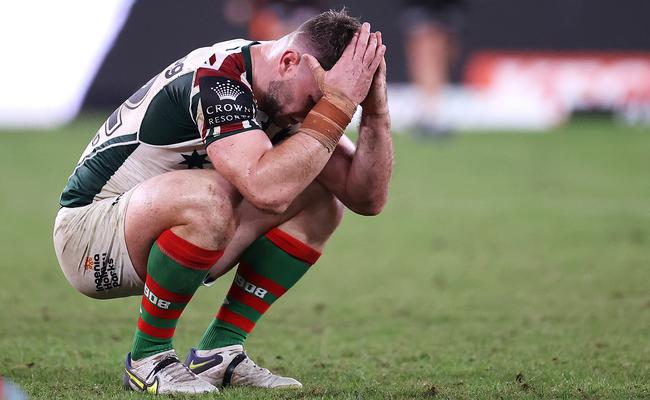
{"x": 177, "y": 200}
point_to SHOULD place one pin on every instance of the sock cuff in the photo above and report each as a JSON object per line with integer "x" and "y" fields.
{"x": 293, "y": 246}
{"x": 185, "y": 253}
{"x": 159, "y": 333}
{"x": 235, "y": 319}
{"x": 165, "y": 294}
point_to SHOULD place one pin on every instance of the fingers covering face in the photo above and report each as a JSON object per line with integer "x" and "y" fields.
{"x": 375, "y": 49}
{"x": 316, "y": 69}
{"x": 349, "y": 50}
{"x": 370, "y": 50}
{"x": 362, "y": 42}
{"x": 375, "y": 58}
{"x": 378, "y": 58}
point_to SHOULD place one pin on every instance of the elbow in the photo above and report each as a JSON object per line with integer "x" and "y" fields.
{"x": 275, "y": 207}
{"x": 369, "y": 208}
{"x": 270, "y": 203}
{"x": 270, "y": 199}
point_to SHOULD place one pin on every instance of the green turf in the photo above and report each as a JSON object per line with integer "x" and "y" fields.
{"x": 505, "y": 266}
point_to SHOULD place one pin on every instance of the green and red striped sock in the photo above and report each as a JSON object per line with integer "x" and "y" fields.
{"x": 175, "y": 270}
{"x": 267, "y": 269}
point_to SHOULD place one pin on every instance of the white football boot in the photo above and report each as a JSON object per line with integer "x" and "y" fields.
{"x": 231, "y": 366}
{"x": 163, "y": 373}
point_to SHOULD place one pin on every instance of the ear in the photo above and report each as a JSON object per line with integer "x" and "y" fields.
{"x": 289, "y": 61}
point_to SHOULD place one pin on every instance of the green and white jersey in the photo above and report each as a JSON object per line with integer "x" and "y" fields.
{"x": 168, "y": 123}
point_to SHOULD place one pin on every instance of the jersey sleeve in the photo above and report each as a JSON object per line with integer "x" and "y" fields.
{"x": 226, "y": 105}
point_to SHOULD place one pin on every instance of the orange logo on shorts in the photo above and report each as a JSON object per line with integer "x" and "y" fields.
{"x": 88, "y": 264}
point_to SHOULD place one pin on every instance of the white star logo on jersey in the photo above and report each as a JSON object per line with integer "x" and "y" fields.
{"x": 227, "y": 91}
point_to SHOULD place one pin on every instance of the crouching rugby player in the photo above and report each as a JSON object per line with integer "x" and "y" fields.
{"x": 232, "y": 155}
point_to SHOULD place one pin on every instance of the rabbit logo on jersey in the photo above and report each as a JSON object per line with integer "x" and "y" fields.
{"x": 225, "y": 101}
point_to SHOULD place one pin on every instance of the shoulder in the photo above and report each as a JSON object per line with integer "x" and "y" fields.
{"x": 229, "y": 60}
{"x": 225, "y": 76}
{"x": 224, "y": 86}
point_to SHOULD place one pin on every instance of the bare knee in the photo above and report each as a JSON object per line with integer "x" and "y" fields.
{"x": 318, "y": 220}
{"x": 209, "y": 218}
{"x": 196, "y": 205}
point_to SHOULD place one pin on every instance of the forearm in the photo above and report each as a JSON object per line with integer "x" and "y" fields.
{"x": 307, "y": 151}
{"x": 371, "y": 167}
{"x": 286, "y": 170}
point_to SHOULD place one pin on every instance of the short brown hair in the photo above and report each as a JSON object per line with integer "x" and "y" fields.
{"x": 328, "y": 34}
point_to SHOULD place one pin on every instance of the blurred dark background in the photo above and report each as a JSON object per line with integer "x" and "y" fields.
{"x": 160, "y": 31}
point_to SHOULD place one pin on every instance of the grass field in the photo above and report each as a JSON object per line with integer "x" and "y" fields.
{"x": 504, "y": 267}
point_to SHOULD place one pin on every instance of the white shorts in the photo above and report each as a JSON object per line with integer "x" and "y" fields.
{"x": 91, "y": 248}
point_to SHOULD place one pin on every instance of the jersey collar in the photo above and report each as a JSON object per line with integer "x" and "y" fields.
{"x": 248, "y": 62}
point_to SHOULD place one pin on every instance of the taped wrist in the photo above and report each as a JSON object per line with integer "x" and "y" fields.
{"x": 334, "y": 94}
{"x": 326, "y": 123}
{"x": 339, "y": 100}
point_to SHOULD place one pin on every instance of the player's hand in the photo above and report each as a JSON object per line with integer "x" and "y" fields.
{"x": 350, "y": 78}
{"x": 376, "y": 103}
